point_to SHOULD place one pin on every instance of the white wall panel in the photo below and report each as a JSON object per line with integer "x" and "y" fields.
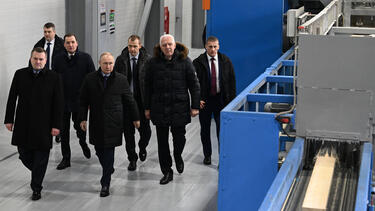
{"x": 21, "y": 27}
{"x": 187, "y": 19}
{"x": 128, "y": 15}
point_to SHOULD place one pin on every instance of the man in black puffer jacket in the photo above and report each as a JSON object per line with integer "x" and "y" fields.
{"x": 107, "y": 95}
{"x": 170, "y": 76}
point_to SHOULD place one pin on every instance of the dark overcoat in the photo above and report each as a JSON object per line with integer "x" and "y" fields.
{"x": 58, "y": 47}
{"x": 73, "y": 70}
{"x": 227, "y": 77}
{"x": 35, "y": 106}
{"x": 167, "y": 87}
{"x": 122, "y": 65}
{"x": 107, "y": 108}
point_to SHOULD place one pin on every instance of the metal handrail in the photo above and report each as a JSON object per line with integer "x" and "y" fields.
{"x": 321, "y": 23}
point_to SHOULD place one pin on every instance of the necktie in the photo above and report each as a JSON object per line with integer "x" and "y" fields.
{"x": 134, "y": 74}
{"x": 105, "y": 78}
{"x": 48, "y": 53}
{"x": 213, "y": 78}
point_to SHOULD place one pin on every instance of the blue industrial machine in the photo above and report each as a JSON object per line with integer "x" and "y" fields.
{"x": 318, "y": 96}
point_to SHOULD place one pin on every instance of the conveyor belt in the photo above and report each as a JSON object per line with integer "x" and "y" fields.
{"x": 342, "y": 194}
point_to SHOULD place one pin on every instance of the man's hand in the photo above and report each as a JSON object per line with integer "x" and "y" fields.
{"x": 83, "y": 125}
{"x": 9, "y": 126}
{"x": 194, "y": 112}
{"x": 55, "y": 132}
{"x": 202, "y": 104}
{"x": 137, "y": 124}
{"x": 147, "y": 114}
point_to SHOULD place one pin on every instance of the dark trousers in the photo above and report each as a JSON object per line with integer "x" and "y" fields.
{"x": 129, "y": 132}
{"x": 212, "y": 107}
{"x": 179, "y": 140}
{"x": 106, "y": 158}
{"x": 36, "y": 161}
{"x": 65, "y": 133}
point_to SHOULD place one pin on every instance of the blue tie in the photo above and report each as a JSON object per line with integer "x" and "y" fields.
{"x": 105, "y": 81}
{"x": 48, "y": 53}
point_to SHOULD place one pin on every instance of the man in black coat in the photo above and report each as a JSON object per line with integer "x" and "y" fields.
{"x": 73, "y": 65}
{"x": 53, "y": 45}
{"x": 34, "y": 113}
{"x": 107, "y": 95}
{"x": 170, "y": 76}
{"x": 131, "y": 63}
{"x": 218, "y": 87}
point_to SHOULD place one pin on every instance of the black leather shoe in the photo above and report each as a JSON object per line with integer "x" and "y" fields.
{"x": 36, "y": 196}
{"x": 63, "y": 164}
{"x": 166, "y": 178}
{"x": 180, "y": 166}
{"x": 207, "y": 161}
{"x": 132, "y": 166}
{"x": 104, "y": 191}
{"x": 86, "y": 151}
{"x": 58, "y": 139}
{"x": 142, "y": 154}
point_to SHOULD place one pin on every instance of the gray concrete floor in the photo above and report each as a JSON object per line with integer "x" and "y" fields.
{"x": 77, "y": 187}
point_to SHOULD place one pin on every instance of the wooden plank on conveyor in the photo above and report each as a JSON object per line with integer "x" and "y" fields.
{"x": 317, "y": 192}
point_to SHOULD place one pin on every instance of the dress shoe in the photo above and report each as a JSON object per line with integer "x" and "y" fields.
{"x": 63, "y": 164}
{"x": 86, "y": 150}
{"x": 207, "y": 161}
{"x": 58, "y": 139}
{"x": 166, "y": 178}
{"x": 180, "y": 166}
{"x": 36, "y": 195}
{"x": 104, "y": 191}
{"x": 142, "y": 154}
{"x": 132, "y": 166}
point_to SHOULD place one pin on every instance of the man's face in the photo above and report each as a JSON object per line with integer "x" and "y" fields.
{"x": 212, "y": 47}
{"x": 167, "y": 47}
{"x": 70, "y": 44}
{"x": 49, "y": 33}
{"x": 106, "y": 64}
{"x": 38, "y": 60}
{"x": 134, "y": 46}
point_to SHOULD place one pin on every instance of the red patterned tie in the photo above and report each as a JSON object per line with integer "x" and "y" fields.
{"x": 213, "y": 77}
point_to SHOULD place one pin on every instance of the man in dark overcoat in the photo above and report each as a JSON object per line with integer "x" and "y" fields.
{"x": 34, "y": 114}
{"x": 131, "y": 63}
{"x": 53, "y": 45}
{"x": 107, "y": 95}
{"x": 170, "y": 76}
{"x": 73, "y": 65}
{"x": 218, "y": 87}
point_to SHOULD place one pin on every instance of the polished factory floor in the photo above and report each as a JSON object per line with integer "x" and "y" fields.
{"x": 77, "y": 187}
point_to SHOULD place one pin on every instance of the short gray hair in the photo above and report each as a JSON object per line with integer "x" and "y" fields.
{"x": 105, "y": 54}
{"x": 166, "y": 35}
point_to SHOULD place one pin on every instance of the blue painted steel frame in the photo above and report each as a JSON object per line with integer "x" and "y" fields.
{"x": 280, "y": 187}
{"x": 250, "y": 33}
{"x": 249, "y": 143}
{"x": 364, "y": 181}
